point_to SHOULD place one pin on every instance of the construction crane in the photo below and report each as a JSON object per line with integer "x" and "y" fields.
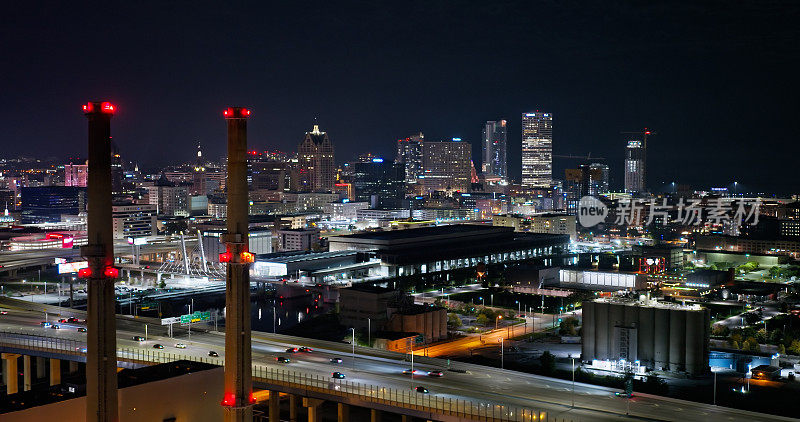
{"x": 580, "y": 157}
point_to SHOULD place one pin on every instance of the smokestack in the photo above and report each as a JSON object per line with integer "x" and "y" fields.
{"x": 238, "y": 399}
{"x": 101, "y": 336}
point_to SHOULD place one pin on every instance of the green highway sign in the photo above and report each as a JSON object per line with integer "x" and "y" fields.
{"x": 196, "y": 317}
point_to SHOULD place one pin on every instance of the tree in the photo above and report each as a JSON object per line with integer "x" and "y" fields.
{"x": 163, "y": 284}
{"x": 453, "y": 321}
{"x": 482, "y": 319}
{"x": 781, "y": 349}
{"x": 548, "y": 362}
{"x": 794, "y": 347}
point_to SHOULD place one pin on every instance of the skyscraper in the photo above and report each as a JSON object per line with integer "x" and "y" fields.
{"x": 315, "y": 155}
{"x": 494, "y": 149}
{"x": 446, "y": 165}
{"x": 599, "y": 174}
{"x": 636, "y": 161}
{"x": 409, "y": 154}
{"x": 537, "y": 149}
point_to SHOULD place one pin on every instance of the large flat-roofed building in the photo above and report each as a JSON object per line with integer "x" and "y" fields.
{"x": 657, "y": 335}
{"x": 443, "y": 248}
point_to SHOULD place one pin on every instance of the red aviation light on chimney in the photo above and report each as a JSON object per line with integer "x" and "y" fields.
{"x": 236, "y": 113}
{"x": 229, "y": 399}
{"x": 247, "y": 258}
{"x": 252, "y": 398}
{"x": 225, "y": 257}
{"x": 85, "y": 272}
{"x": 104, "y": 107}
{"x": 111, "y": 272}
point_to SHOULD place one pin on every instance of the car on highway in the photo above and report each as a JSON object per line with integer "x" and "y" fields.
{"x": 414, "y": 372}
{"x": 44, "y": 324}
{"x": 305, "y": 349}
{"x": 3, "y": 312}
{"x": 81, "y": 330}
{"x": 72, "y": 319}
{"x": 213, "y": 354}
{"x": 623, "y": 394}
{"x": 282, "y": 359}
{"x": 138, "y": 338}
{"x": 80, "y": 349}
{"x": 56, "y": 327}
{"x": 180, "y": 346}
{"x": 422, "y": 390}
{"x": 158, "y": 346}
{"x": 337, "y": 375}
{"x": 435, "y": 373}
{"x": 292, "y": 350}
{"x": 336, "y": 360}
{"x": 62, "y": 320}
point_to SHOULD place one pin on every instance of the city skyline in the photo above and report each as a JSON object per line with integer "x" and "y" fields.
{"x": 629, "y": 71}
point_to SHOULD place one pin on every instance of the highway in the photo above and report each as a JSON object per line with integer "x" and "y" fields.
{"x": 476, "y": 383}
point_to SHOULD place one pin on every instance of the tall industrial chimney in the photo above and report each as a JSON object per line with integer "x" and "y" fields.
{"x": 238, "y": 399}
{"x": 101, "y": 338}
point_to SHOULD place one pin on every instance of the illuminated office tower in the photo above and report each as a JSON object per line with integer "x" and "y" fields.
{"x": 537, "y": 149}
{"x": 636, "y": 161}
{"x": 494, "y": 149}
{"x": 317, "y": 169}
{"x": 409, "y": 154}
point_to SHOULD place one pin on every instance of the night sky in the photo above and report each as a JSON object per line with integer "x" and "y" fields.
{"x": 718, "y": 81}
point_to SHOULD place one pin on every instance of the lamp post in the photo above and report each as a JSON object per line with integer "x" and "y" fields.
{"x": 715, "y": 387}
{"x": 369, "y": 332}
{"x": 502, "y": 361}
{"x": 496, "y": 320}
{"x": 354, "y": 348}
{"x": 573, "y": 381}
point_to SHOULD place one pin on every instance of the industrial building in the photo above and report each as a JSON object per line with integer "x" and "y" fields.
{"x": 437, "y": 249}
{"x": 139, "y": 220}
{"x": 655, "y": 335}
{"x": 382, "y": 309}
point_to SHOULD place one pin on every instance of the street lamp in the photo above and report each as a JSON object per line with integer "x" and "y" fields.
{"x": 496, "y": 320}
{"x": 502, "y": 362}
{"x": 573, "y": 381}
{"x": 354, "y": 348}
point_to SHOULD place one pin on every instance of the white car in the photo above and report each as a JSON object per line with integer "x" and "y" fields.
{"x": 180, "y": 346}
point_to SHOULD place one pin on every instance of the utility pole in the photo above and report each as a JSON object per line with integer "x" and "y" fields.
{"x": 101, "y": 335}
{"x": 238, "y": 397}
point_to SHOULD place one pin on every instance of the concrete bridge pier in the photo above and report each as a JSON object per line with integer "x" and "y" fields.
{"x": 55, "y": 371}
{"x": 343, "y": 412}
{"x": 41, "y": 365}
{"x": 26, "y": 373}
{"x": 292, "y": 408}
{"x": 374, "y": 415}
{"x": 11, "y": 372}
{"x": 274, "y": 406}
{"x": 313, "y": 406}
{"x": 73, "y": 367}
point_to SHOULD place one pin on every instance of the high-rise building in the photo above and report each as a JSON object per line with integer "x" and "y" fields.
{"x": 599, "y": 174}
{"x": 377, "y": 181}
{"x": 116, "y": 170}
{"x": 537, "y": 150}
{"x": 316, "y": 164}
{"x": 446, "y": 166}
{"x": 169, "y": 198}
{"x": 134, "y": 220}
{"x": 409, "y": 154}
{"x": 494, "y": 149}
{"x": 75, "y": 174}
{"x": 636, "y": 161}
